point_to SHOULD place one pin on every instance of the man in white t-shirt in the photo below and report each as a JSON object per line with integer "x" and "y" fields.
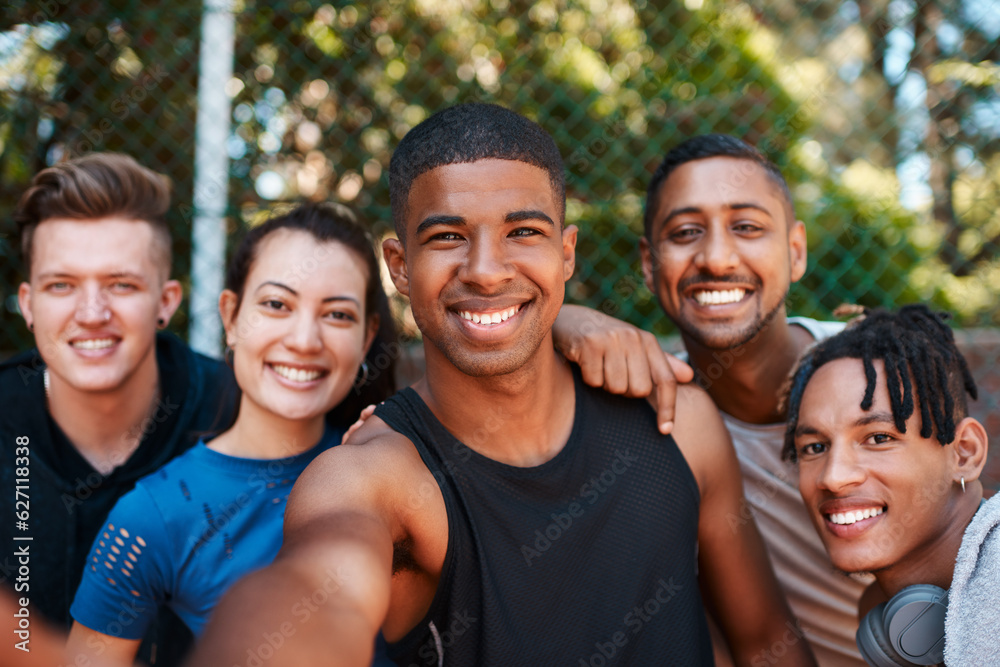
{"x": 720, "y": 251}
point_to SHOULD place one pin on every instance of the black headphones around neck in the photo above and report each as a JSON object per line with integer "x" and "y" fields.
{"x": 907, "y": 630}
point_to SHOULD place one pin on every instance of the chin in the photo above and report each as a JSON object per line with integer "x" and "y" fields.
{"x": 299, "y": 411}
{"x": 95, "y": 382}
{"x": 727, "y": 337}
{"x": 854, "y": 563}
{"x": 488, "y": 364}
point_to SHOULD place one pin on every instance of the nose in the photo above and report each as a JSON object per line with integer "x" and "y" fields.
{"x": 93, "y": 308}
{"x": 717, "y": 255}
{"x": 842, "y": 469}
{"x": 486, "y": 265}
{"x": 304, "y": 334}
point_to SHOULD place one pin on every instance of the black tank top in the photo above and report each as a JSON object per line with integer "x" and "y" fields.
{"x": 589, "y": 559}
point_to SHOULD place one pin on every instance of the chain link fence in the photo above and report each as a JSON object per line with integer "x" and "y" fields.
{"x": 884, "y": 116}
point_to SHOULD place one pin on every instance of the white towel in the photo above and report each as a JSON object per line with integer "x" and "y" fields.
{"x": 972, "y": 624}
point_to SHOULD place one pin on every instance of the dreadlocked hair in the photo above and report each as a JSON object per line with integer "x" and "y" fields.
{"x": 923, "y": 367}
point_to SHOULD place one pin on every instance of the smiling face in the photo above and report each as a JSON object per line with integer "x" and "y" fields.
{"x": 300, "y": 331}
{"x": 96, "y": 290}
{"x": 485, "y": 262}
{"x": 724, "y": 250}
{"x": 880, "y": 499}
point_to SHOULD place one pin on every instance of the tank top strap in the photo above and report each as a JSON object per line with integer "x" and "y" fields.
{"x": 407, "y": 414}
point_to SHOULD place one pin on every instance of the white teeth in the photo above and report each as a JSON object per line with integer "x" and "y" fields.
{"x": 296, "y": 374}
{"x": 847, "y": 518}
{"x": 93, "y": 343}
{"x": 490, "y": 318}
{"x": 716, "y": 297}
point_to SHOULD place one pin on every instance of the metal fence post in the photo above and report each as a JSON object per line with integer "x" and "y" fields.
{"x": 211, "y": 175}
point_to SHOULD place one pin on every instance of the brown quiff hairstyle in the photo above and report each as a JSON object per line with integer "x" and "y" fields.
{"x": 92, "y": 187}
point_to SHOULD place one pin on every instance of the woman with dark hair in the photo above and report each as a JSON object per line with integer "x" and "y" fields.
{"x": 302, "y": 308}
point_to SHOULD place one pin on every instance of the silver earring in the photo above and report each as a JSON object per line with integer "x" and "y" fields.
{"x": 962, "y": 482}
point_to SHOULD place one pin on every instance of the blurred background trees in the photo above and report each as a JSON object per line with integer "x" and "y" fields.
{"x": 884, "y": 116}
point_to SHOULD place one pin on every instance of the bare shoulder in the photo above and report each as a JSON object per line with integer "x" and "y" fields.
{"x": 701, "y": 435}
{"x": 374, "y": 450}
{"x": 697, "y": 417}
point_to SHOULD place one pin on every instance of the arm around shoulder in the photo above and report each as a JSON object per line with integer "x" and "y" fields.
{"x": 620, "y": 358}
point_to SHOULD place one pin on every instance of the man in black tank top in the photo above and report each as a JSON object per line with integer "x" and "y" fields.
{"x": 499, "y": 512}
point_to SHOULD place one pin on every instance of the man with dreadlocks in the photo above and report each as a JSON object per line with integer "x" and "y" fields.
{"x": 889, "y": 464}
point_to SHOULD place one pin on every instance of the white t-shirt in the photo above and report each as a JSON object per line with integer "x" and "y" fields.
{"x": 824, "y": 600}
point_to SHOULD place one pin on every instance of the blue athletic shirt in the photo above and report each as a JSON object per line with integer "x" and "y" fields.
{"x": 184, "y": 535}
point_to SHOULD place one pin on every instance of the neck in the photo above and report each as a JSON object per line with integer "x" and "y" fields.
{"x": 746, "y": 381}
{"x": 522, "y": 418}
{"x": 260, "y": 434}
{"x": 106, "y": 427}
{"x": 936, "y": 562}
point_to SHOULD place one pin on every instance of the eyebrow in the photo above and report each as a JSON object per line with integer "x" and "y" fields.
{"x": 869, "y": 418}
{"x": 680, "y": 211}
{"x": 531, "y": 214}
{"x": 434, "y": 220}
{"x": 805, "y": 430}
{"x": 113, "y": 274}
{"x": 457, "y": 220}
{"x": 285, "y": 287}
{"x": 128, "y": 274}
{"x": 743, "y": 205}
{"x": 876, "y": 418}
{"x": 733, "y": 207}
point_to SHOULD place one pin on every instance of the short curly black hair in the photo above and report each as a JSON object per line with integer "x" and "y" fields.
{"x": 467, "y": 133}
{"x": 923, "y": 367}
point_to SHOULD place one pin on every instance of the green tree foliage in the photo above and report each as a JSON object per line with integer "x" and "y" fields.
{"x": 323, "y": 92}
